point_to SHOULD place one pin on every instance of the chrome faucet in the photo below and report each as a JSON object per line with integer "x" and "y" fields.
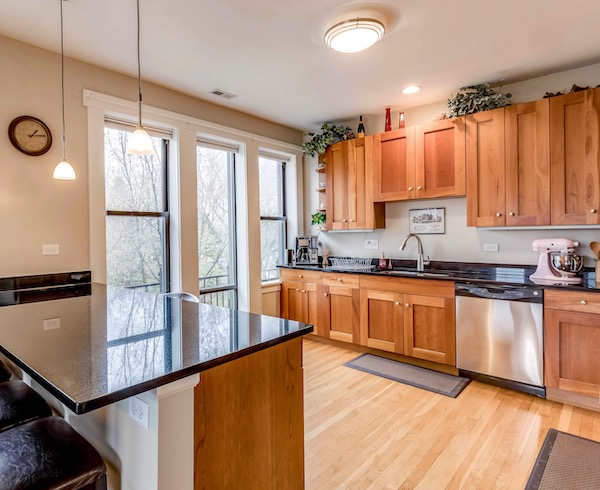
{"x": 420, "y": 260}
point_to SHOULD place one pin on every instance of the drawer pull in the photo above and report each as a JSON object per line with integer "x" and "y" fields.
{"x": 339, "y": 280}
{"x": 325, "y": 294}
{"x": 511, "y": 214}
{"x": 344, "y": 220}
{"x": 304, "y": 290}
{"x": 498, "y": 215}
{"x": 583, "y": 302}
{"x": 407, "y": 305}
{"x": 300, "y": 276}
{"x": 297, "y": 289}
{"x": 593, "y": 211}
{"x": 419, "y": 187}
{"x": 398, "y": 303}
{"x": 410, "y": 188}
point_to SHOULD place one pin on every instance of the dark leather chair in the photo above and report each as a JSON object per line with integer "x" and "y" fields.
{"x": 5, "y": 373}
{"x": 20, "y": 404}
{"x": 48, "y": 453}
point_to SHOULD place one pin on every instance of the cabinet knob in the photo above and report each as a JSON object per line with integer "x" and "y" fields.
{"x": 511, "y": 214}
{"x": 498, "y": 215}
{"x": 407, "y": 305}
{"x": 324, "y": 294}
{"x": 339, "y": 280}
{"x": 419, "y": 187}
{"x": 351, "y": 221}
{"x": 300, "y": 276}
{"x": 583, "y": 302}
{"x": 398, "y": 303}
{"x": 410, "y": 188}
{"x": 297, "y": 289}
{"x": 593, "y": 211}
{"x": 304, "y": 290}
{"x": 344, "y": 220}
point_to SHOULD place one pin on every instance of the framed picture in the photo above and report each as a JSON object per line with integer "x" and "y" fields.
{"x": 430, "y": 220}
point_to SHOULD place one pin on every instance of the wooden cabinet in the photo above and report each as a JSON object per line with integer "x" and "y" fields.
{"x": 508, "y": 163}
{"x": 349, "y": 177}
{"x": 572, "y": 347}
{"x": 299, "y": 296}
{"x": 440, "y": 159}
{"x": 575, "y": 157}
{"x": 414, "y": 317}
{"x": 339, "y": 304}
{"x": 394, "y": 165}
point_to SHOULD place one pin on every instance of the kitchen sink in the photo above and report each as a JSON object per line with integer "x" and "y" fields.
{"x": 413, "y": 273}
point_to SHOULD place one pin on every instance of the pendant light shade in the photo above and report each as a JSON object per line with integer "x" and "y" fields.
{"x": 139, "y": 142}
{"x": 352, "y": 36}
{"x": 64, "y": 170}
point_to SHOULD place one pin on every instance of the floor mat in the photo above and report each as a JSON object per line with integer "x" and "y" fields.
{"x": 566, "y": 461}
{"x": 444, "y": 384}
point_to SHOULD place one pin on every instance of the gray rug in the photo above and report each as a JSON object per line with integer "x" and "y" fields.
{"x": 444, "y": 384}
{"x": 566, "y": 462}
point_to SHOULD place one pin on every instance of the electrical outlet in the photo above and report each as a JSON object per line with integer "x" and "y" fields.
{"x": 490, "y": 247}
{"x": 51, "y": 323}
{"x": 50, "y": 250}
{"x": 138, "y": 411}
{"x": 372, "y": 244}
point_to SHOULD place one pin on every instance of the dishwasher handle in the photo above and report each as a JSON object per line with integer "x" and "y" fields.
{"x": 508, "y": 293}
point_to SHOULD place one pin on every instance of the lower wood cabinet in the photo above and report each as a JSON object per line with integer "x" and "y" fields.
{"x": 572, "y": 347}
{"x": 299, "y": 297}
{"x": 381, "y": 320}
{"x": 338, "y": 307}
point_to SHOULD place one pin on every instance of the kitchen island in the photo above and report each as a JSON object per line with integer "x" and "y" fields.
{"x": 174, "y": 394}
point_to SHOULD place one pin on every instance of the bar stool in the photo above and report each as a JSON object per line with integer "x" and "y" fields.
{"x": 49, "y": 454}
{"x": 20, "y": 404}
{"x": 5, "y": 373}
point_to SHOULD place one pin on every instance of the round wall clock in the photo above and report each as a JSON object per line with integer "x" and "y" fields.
{"x": 30, "y": 135}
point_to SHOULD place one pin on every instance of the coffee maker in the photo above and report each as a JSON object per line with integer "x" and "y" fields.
{"x": 307, "y": 251}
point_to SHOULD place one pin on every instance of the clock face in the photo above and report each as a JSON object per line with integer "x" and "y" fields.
{"x": 30, "y": 135}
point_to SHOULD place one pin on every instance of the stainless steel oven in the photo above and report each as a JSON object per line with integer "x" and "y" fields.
{"x": 500, "y": 335}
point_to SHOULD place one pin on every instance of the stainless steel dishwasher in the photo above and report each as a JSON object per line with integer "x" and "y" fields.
{"x": 500, "y": 335}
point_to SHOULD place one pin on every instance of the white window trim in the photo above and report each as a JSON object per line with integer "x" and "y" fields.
{"x": 182, "y": 159}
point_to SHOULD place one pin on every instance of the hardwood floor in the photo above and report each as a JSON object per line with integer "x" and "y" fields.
{"x": 363, "y": 431}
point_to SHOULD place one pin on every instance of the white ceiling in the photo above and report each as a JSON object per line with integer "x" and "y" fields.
{"x": 271, "y": 52}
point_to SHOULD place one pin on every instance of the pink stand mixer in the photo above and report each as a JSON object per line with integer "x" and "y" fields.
{"x": 558, "y": 262}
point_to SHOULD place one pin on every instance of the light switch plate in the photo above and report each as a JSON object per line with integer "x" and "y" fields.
{"x": 50, "y": 250}
{"x": 372, "y": 244}
{"x": 51, "y": 323}
{"x": 490, "y": 247}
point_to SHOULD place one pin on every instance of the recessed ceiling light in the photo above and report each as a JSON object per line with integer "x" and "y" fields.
{"x": 412, "y": 89}
{"x": 352, "y": 36}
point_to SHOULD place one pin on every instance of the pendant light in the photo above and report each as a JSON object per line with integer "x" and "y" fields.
{"x": 139, "y": 142}
{"x": 64, "y": 170}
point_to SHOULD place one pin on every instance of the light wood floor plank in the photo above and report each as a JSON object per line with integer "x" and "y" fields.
{"x": 367, "y": 432}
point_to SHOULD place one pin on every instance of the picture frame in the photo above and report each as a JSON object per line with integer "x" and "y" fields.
{"x": 427, "y": 221}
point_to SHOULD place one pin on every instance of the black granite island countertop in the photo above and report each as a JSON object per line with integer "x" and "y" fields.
{"x": 91, "y": 351}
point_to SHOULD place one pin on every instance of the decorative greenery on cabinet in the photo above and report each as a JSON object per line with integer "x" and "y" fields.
{"x": 330, "y": 134}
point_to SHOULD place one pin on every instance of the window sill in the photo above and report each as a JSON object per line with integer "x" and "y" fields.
{"x": 271, "y": 286}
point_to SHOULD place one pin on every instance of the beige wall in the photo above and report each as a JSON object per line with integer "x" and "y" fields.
{"x": 34, "y": 208}
{"x": 459, "y": 243}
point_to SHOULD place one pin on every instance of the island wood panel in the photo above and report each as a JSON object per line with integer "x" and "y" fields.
{"x": 249, "y": 422}
{"x": 440, "y": 158}
{"x": 575, "y": 158}
{"x": 429, "y": 330}
{"x": 381, "y": 320}
{"x": 485, "y": 168}
{"x": 339, "y": 313}
{"x": 528, "y": 164}
{"x": 337, "y": 185}
{"x": 394, "y": 164}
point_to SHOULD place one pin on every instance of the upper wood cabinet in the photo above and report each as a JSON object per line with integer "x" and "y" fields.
{"x": 349, "y": 187}
{"x": 440, "y": 159}
{"x": 575, "y": 157}
{"x": 508, "y": 163}
{"x": 394, "y": 165}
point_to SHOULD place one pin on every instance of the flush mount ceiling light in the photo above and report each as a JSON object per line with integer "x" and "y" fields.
{"x": 64, "y": 170}
{"x": 352, "y": 36}
{"x": 412, "y": 89}
{"x": 139, "y": 142}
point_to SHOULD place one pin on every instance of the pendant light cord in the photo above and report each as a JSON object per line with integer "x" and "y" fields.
{"x": 62, "y": 81}
{"x": 139, "y": 63}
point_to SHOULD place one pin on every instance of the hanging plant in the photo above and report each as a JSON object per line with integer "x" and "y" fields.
{"x": 330, "y": 134}
{"x": 475, "y": 98}
{"x": 318, "y": 218}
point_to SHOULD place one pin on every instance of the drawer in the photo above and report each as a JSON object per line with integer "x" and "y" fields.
{"x": 300, "y": 275}
{"x": 572, "y": 301}
{"x": 347, "y": 280}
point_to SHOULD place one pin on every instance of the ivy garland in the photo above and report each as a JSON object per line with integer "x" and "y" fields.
{"x": 475, "y": 98}
{"x": 330, "y": 134}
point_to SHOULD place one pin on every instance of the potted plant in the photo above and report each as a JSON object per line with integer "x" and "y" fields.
{"x": 318, "y": 219}
{"x": 330, "y": 134}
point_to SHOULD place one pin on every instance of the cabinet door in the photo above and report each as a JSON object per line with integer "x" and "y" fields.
{"x": 309, "y": 306}
{"x": 572, "y": 352}
{"x": 339, "y": 313}
{"x": 394, "y": 164}
{"x": 575, "y": 158}
{"x": 292, "y": 301}
{"x": 381, "y": 320}
{"x": 429, "y": 331}
{"x": 364, "y": 214}
{"x": 337, "y": 186}
{"x": 485, "y": 168}
{"x": 440, "y": 159}
{"x": 528, "y": 163}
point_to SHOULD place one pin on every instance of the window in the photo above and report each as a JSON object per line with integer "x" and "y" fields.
{"x": 216, "y": 225}
{"x": 137, "y": 217}
{"x": 272, "y": 215}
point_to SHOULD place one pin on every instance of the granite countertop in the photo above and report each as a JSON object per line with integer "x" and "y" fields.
{"x": 499, "y": 274}
{"x": 113, "y": 343}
